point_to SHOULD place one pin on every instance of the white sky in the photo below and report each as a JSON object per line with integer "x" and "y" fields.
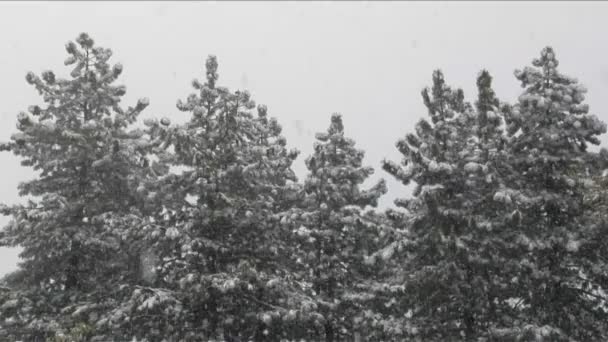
{"x": 304, "y": 60}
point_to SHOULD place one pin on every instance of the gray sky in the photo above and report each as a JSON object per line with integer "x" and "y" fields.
{"x": 304, "y": 60}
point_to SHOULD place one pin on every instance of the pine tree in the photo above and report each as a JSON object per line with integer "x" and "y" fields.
{"x": 510, "y": 257}
{"x": 334, "y": 233}
{"x": 556, "y": 265}
{"x": 224, "y": 176}
{"x": 487, "y": 225}
{"x": 443, "y": 289}
{"x": 88, "y": 163}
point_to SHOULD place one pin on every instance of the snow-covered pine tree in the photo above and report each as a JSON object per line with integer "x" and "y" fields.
{"x": 483, "y": 159}
{"x": 334, "y": 234}
{"x": 88, "y": 163}
{"x": 216, "y": 235}
{"x": 444, "y": 290}
{"x": 556, "y": 266}
{"x": 483, "y": 163}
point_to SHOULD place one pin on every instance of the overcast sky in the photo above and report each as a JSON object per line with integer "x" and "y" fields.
{"x": 304, "y": 60}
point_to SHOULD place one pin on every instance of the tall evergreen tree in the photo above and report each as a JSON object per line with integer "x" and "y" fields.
{"x": 513, "y": 256}
{"x": 225, "y": 174}
{"x": 335, "y": 234}
{"x": 556, "y": 266}
{"x": 88, "y": 163}
{"x": 445, "y": 256}
{"x": 487, "y": 225}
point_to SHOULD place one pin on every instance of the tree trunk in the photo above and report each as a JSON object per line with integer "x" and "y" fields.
{"x": 329, "y": 331}
{"x": 72, "y": 281}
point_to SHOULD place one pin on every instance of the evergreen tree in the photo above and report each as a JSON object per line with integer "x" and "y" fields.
{"x": 444, "y": 253}
{"x": 224, "y": 176}
{"x": 487, "y": 226}
{"x": 499, "y": 247}
{"x": 335, "y": 234}
{"x": 556, "y": 264}
{"x": 88, "y": 163}
{"x": 482, "y": 167}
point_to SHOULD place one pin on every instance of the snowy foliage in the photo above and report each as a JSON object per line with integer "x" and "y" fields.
{"x": 335, "y": 234}
{"x": 506, "y": 222}
{"x": 550, "y": 130}
{"x": 201, "y": 232}
{"x": 216, "y": 231}
{"x": 76, "y": 227}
